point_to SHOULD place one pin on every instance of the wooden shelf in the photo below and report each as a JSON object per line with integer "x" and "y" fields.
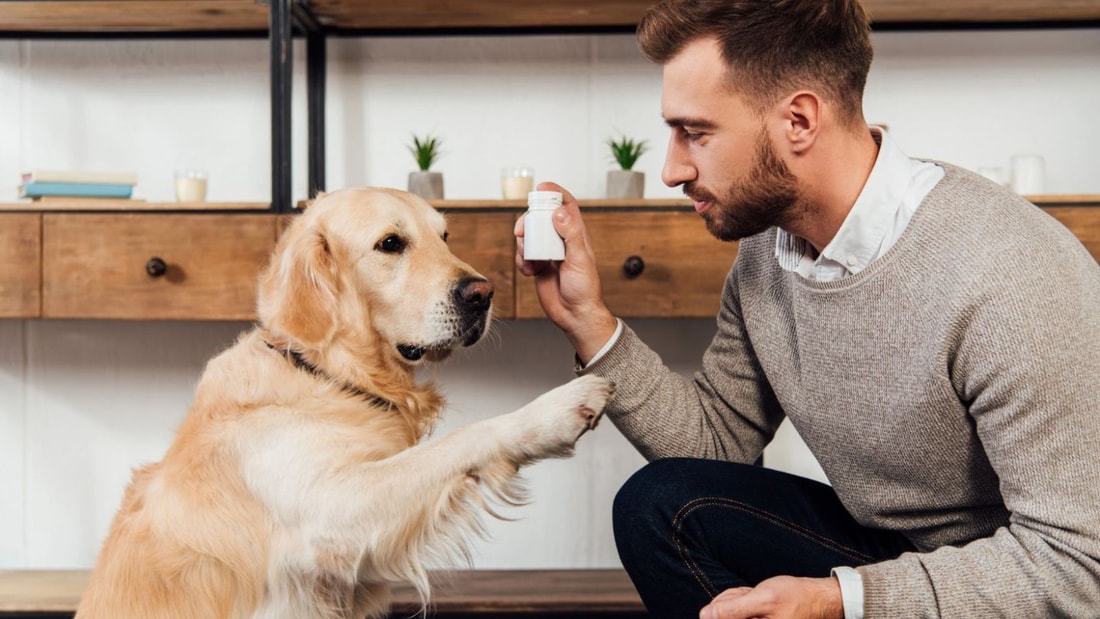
{"x": 1065, "y": 200}
{"x": 680, "y": 203}
{"x": 94, "y": 204}
{"x": 97, "y": 204}
{"x": 352, "y": 16}
{"x": 100, "y": 17}
{"x": 476, "y": 591}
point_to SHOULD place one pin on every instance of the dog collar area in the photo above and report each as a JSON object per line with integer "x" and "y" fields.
{"x": 300, "y": 362}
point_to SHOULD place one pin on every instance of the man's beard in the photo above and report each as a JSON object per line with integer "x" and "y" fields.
{"x": 766, "y": 196}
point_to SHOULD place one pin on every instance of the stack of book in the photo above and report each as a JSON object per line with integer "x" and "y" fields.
{"x": 53, "y": 185}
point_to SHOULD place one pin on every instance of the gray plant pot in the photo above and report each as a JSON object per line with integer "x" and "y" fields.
{"x": 625, "y": 184}
{"x": 427, "y": 185}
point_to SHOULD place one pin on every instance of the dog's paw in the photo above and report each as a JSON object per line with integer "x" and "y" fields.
{"x": 552, "y": 423}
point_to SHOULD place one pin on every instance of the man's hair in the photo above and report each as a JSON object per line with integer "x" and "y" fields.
{"x": 772, "y": 47}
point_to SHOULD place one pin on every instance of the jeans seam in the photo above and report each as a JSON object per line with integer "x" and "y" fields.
{"x": 701, "y": 502}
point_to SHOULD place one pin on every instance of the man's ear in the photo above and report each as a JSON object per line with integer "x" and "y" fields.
{"x": 298, "y": 292}
{"x": 802, "y": 120}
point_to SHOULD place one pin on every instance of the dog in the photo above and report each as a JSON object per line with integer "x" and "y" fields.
{"x": 298, "y": 485}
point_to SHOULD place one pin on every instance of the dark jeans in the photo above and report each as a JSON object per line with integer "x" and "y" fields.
{"x": 688, "y": 529}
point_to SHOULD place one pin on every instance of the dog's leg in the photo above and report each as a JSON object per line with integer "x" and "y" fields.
{"x": 387, "y": 520}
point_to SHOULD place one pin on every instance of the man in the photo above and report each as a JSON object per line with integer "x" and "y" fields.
{"x": 931, "y": 336}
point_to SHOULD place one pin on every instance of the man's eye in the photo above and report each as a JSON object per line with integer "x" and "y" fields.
{"x": 392, "y": 244}
{"x": 692, "y": 136}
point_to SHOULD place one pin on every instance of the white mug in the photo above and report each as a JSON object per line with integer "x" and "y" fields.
{"x": 1028, "y": 172}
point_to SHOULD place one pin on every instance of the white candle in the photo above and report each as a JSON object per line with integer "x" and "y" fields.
{"x": 190, "y": 186}
{"x": 517, "y": 187}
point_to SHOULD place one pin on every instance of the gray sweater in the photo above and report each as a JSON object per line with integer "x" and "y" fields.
{"x": 950, "y": 391}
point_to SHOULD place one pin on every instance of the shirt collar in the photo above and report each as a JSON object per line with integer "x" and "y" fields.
{"x": 857, "y": 241}
{"x": 860, "y": 236}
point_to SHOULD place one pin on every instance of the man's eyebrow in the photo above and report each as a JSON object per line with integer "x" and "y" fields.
{"x": 686, "y": 121}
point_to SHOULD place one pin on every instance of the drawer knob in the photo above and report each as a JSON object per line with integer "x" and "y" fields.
{"x": 633, "y": 266}
{"x": 156, "y": 267}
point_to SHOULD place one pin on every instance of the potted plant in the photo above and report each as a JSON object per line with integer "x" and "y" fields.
{"x": 424, "y": 182}
{"x": 626, "y": 182}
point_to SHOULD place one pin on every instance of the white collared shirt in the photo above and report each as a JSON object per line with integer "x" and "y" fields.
{"x": 892, "y": 193}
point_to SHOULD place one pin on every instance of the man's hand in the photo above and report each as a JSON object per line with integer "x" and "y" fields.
{"x": 782, "y": 597}
{"x": 569, "y": 291}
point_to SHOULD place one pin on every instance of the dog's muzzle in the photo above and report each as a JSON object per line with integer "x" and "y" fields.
{"x": 472, "y": 299}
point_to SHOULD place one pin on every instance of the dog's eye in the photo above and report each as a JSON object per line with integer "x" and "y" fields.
{"x": 392, "y": 244}
{"x": 446, "y": 235}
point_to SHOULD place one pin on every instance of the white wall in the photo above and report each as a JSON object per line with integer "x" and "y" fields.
{"x": 82, "y": 402}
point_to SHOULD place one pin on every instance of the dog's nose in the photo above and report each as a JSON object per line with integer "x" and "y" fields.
{"x": 473, "y": 293}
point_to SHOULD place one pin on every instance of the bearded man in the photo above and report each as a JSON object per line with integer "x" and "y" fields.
{"x": 931, "y": 336}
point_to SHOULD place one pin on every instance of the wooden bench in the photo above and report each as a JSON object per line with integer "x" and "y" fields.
{"x": 501, "y": 594}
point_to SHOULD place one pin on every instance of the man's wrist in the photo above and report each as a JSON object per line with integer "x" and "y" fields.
{"x": 851, "y": 591}
{"x": 592, "y": 334}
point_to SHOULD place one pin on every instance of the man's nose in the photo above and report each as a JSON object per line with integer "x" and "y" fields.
{"x": 678, "y": 168}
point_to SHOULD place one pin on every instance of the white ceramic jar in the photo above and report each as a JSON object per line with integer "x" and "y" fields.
{"x": 540, "y": 240}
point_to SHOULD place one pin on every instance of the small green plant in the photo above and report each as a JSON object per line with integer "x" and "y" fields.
{"x": 426, "y": 151}
{"x": 625, "y": 151}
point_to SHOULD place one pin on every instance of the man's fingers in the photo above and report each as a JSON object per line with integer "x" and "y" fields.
{"x": 730, "y": 594}
{"x": 566, "y": 197}
{"x": 733, "y": 604}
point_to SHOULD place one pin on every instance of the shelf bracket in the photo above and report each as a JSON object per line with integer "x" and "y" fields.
{"x": 282, "y": 66}
{"x": 316, "y": 61}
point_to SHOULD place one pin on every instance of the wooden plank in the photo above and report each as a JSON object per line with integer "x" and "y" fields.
{"x": 104, "y": 204}
{"x": 475, "y": 591}
{"x": 430, "y": 14}
{"x": 20, "y": 265}
{"x": 946, "y": 11}
{"x": 1083, "y": 221}
{"x": 94, "y": 265}
{"x": 134, "y": 16}
{"x": 102, "y": 16}
{"x": 516, "y": 591}
{"x": 42, "y": 590}
{"x": 1065, "y": 200}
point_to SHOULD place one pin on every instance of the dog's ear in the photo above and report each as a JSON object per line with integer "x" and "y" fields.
{"x": 304, "y": 204}
{"x": 298, "y": 292}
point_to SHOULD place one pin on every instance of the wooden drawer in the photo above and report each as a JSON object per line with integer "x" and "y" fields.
{"x": 1083, "y": 221}
{"x": 95, "y": 266}
{"x": 485, "y": 242}
{"x": 20, "y": 265}
{"x": 682, "y": 266}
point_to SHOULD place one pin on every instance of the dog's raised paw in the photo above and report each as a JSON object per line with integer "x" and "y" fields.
{"x": 554, "y": 421}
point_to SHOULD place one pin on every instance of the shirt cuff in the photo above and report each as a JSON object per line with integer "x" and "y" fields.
{"x": 603, "y": 350}
{"x": 851, "y": 591}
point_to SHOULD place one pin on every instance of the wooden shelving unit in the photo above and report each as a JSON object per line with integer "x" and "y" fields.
{"x": 664, "y": 204}
{"x": 350, "y": 17}
{"x": 95, "y": 204}
{"x": 317, "y": 20}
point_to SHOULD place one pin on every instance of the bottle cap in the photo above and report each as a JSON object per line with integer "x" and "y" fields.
{"x": 544, "y": 199}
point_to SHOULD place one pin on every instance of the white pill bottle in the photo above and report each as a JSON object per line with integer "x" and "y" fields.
{"x": 540, "y": 240}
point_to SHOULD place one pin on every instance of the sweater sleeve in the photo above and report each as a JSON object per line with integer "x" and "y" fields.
{"x": 727, "y": 411}
{"x": 1025, "y": 361}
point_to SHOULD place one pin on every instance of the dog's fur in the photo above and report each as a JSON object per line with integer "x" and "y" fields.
{"x": 298, "y": 486}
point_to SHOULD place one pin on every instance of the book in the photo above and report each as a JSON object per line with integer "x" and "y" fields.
{"x": 86, "y": 190}
{"x": 77, "y": 176}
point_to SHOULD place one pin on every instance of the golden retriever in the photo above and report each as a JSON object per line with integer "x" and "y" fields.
{"x": 298, "y": 485}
